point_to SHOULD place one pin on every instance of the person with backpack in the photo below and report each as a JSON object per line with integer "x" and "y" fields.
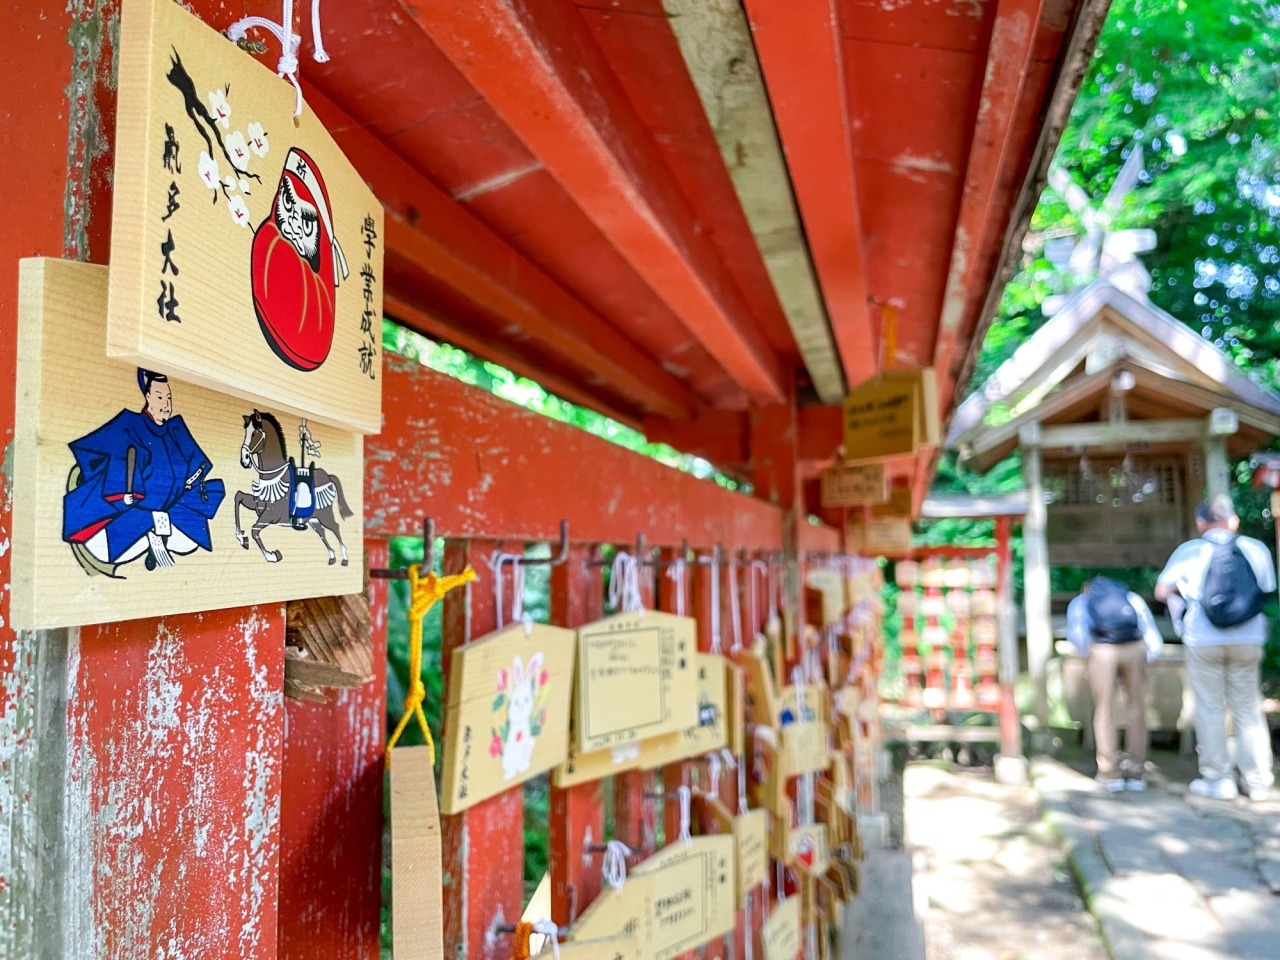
{"x": 1114, "y": 631}
{"x": 1222, "y": 577}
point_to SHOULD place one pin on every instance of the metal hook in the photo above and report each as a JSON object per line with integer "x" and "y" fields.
{"x": 511, "y": 928}
{"x": 599, "y": 561}
{"x": 428, "y": 555}
{"x": 561, "y": 555}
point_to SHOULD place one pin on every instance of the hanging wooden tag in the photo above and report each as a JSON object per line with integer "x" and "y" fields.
{"x": 804, "y": 748}
{"x": 246, "y": 250}
{"x": 417, "y": 904}
{"x": 126, "y": 499}
{"x": 579, "y": 768}
{"x": 782, "y": 930}
{"x": 761, "y": 702}
{"x": 711, "y": 729}
{"x": 694, "y": 888}
{"x": 636, "y": 679}
{"x": 611, "y": 948}
{"x": 507, "y": 712}
{"x": 807, "y": 847}
{"x": 750, "y": 832}
{"x": 767, "y": 785}
{"x": 736, "y": 709}
{"x": 625, "y": 913}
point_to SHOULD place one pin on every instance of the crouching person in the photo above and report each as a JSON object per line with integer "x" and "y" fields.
{"x": 1114, "y": 631}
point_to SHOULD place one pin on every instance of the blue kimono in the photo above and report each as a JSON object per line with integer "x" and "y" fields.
{"x": 166, "y": 457}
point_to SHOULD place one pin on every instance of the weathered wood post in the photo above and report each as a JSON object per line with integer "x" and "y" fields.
{"x": 1035, "y": 558}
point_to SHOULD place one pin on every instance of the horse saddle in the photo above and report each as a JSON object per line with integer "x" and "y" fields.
{"x": 302, "y": 494}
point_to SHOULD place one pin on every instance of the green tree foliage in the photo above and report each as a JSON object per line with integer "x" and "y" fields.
{"x": 1198, "y": 85}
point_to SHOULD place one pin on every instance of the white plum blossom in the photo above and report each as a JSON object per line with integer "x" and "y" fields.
{"x": 239, "y": 212}
{"x": 219, "y": 108}
{"x": 258, "y": 139}
{"x": 210, "y": 175}
{"x": 244, "y": 187}
{"x": 237, "y": 149}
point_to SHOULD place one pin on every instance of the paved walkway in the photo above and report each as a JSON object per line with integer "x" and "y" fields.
{"x": 1170, "y": 876}
{"x": 988, "y": 882}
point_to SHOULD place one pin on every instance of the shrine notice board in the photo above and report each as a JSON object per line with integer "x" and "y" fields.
{"x": 246, "y": 251}
{"x": 133, "y": 502}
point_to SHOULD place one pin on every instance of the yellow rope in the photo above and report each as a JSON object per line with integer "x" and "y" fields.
{"x": 424, "y": 592}
{"x": 520, "y": 945}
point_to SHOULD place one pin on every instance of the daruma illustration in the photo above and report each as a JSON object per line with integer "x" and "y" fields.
{"x": 297, "y": 265}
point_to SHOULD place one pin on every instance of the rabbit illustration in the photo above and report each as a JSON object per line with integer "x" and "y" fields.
{"x": 517, "y": 749}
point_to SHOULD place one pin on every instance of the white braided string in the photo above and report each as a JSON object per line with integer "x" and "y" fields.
{"x": 676, "y": 573}
{"x": 287, "y": 65}
{"x": 735, "y": 604}
{"x": 614, "y": 867}
{"x": 551, "y": 932}
{"x": 624, "y": 584}
{"x": 686, "y": 798}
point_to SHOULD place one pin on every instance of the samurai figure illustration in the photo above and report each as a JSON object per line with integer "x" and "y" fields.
{"x": 139, "y": 488}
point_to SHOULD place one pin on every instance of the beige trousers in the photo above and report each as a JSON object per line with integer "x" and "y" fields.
{"x": 1225, "y": 677}
{"x": 1106, "y": 662}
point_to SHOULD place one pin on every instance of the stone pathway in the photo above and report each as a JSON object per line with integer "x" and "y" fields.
{"x": 988, "y": 882}
{"x": 1170, "y": 876}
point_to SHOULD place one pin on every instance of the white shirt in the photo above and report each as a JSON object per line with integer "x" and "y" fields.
{"x": 1185, "y": 573}
{"x": 1080, "y": 625}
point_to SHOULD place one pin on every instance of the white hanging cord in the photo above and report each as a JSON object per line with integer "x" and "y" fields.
{"x": 757, "y": 566}
{"x": 624, "y": 584}
{"x": 735, "y": 604}
{"x": 518, "y": 614}
{"x": 676, "y": 573}
{"x": 686, "y": 798}
{"x": 715, "y": 603}
{"x": 748, "y": 942}
{"x": 804, "y": 800}
{"x": 797, "y": 682}
{"x": 287, "y": 65}
{"x": 551, "y": 932}
{"x": 742, "y": 787}
{"x": 614, "y": 867}
{"x": 713, "y": 775}
{"x": 781, "y": 883}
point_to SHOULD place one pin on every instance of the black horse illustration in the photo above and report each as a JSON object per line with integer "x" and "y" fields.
{"x": 284, "y": 494}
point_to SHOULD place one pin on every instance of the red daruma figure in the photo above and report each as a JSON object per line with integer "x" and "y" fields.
{"x": 297, "y": 265}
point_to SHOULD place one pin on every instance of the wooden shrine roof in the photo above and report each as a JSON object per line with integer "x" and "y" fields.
{"x": 667, "y": 210}
{"x": 1065, "y": 374}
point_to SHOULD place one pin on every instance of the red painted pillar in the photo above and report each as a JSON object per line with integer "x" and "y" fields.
{"x": 483, "y": 847}
{"x": 331, "y": 810}
{"x": 576, "y": 812}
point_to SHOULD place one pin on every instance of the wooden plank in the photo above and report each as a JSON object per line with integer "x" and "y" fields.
{"x": 416, "y": 928}
{"x": 848, "y": 486}
{"x": 445, "y": 443}
{"x": 264, "y": 243}
{"x": 694, "y": 889}
{"x": 800, "y": 51}
{"x": 547, "y": 79}
{"x": 1090, "y": 435}
{"x": 83, "y": 557}
{"x": 331, "y": 852}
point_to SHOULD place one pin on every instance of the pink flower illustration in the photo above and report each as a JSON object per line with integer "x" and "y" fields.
{"x": 543, "y": 677}
{"x": 502, "y": 679}
{"x": 495, "y": 746}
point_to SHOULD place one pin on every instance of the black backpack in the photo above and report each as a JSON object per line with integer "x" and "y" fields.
{"x": 1230, "y": 594}
{"x": 1113, "y": 616}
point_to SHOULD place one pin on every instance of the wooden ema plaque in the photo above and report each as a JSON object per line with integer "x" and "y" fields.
{"x": 760, "y": 692}
{"x": 138, "y": 496}
{"x": 246, "y": 251}
{"x": 694, "y": 893}
{"x": 883, "y": 418}
{"x": 579, "y": 768}
{"x": 417, "y": 904}
{"x": 507, "y": 712}
{"x": 625, "y": 913}
{"x": 750, "y": 832}
{"x": 782, "y": 930}
{"x": 636, "y": 679}
{"x": 808, "y": 847}
{"x": 767, "y": 785}
{"x": 612, "y": 948}
{"x": 854, "y": 485}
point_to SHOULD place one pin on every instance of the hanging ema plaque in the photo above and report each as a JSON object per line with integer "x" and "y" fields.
{"x": 246, "y": 252}
{"x": 137, "y": 495}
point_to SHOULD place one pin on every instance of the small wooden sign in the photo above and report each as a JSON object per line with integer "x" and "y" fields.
{"x": 246, "y": 251}
{"x": 879, "y": 536}
{"x": 637, "y": 679}
{"x": 611, "y": 948}
{"x": 882, "y": 418}
{"x": 138, "y": 496}
{"x": 808, "y": 847}
{"x": 579, "y": 768}
{"x": 898, "y": 504}
{"x": 853, "y": 486}
{"x": 710, "y": 732}
{"x": 829, "y": 585}
{"x": 694, "y": 893}
{"x": 417, "y": 903}
{"x": 767, "y": 784}
{"x": 507, "y": 713}
{"x": 782, "y": 930}
{"x": 750, "y": 832}
{"x": 626, "y": 914}
{"x": 761, "y": 703}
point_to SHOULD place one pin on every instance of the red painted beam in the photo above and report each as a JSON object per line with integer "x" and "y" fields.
{"x": 1009, "y": 57}
{"x": 538, "y": 66}
{"x": 484, "y": 467}
{"x": 719, "y": 436}
{"x": 799, "y": 46}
